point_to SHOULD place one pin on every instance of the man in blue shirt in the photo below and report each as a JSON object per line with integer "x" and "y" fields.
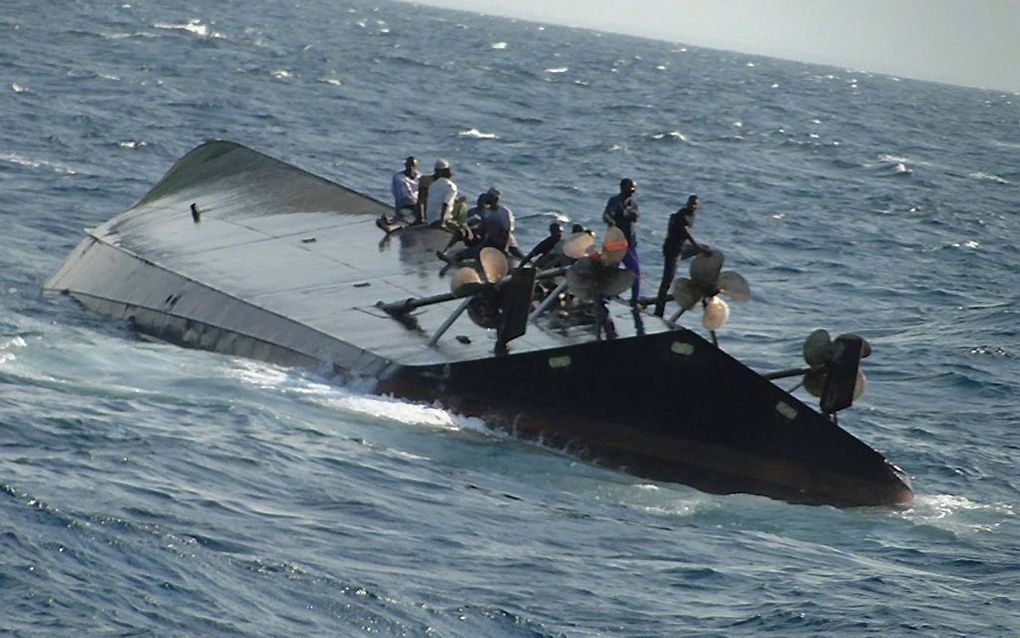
{"x": 622, "y": 211}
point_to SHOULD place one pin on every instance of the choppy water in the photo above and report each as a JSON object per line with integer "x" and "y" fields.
{"x": 148, "y": 489}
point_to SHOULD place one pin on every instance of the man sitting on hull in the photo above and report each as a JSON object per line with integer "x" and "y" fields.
{"x": 404, "y": 186}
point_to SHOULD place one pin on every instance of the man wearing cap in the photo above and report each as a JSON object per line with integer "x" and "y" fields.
{"x": 439, "y": 195}
{"x": 622, "y": 211}
{"x": 404, "y": 187}
{"x": 498, "y": 222}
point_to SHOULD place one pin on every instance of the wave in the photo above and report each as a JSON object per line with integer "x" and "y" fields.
{"x": 675, "y": 136}
{"x": 194, "y": 26}
{"x": 478, "y": 135}
{"x": 21, "y": 160}
{"x": 989, "y": 177}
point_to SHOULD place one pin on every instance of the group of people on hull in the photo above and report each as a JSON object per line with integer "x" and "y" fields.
{"x": 434, "y": 199}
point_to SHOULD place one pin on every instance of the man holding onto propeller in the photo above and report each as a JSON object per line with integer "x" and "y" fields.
{"x": 677, "y": 232}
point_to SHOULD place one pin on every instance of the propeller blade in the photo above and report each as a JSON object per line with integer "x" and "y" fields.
{"x": 686, "y": 293}
{"x": 817, "y": 348}
{"x": 615, "y": 282}
{"x": 716, "y": 313}
{"x": 465, "y": 281}
{"x": 689, "y": 250}
{"x": 494, "y": 263}
{"x": 705, "y": 269}
{"x": 865, "y": 346}
{"x": 733, "y": 285}
{"x": 581, "y": 280}
{"x": 576, "y": 246}
{"x": 814, "y": 381}
{"x": 614, "y": 247}
{"x": 859, "y": 385}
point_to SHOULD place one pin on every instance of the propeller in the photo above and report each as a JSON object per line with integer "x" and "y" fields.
{"x": 614, "y": 247}
{"x": 708, "y": 280}
{"x": 465, "y": 281}
{"x": 577, "y": 245}
{"x": 833, "y": 366}
{"x": 595, "y": 273}
{"x": 494, "y": 266}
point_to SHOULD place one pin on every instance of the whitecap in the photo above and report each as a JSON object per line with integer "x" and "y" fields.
{"x": 17, "y": 88}
{"x": 131, "y": 144}
{"x": 192, "y": 26}
{"x": 498, "y": 45}
{"x": 20, "y": 160}
{"x": 280, "y": 74}
{"x": 331, "y": 81}
{"x": 988, "y": 177}
{"x": 971, "y": 244}
{"x": 892, "y": 158}
{"x": 676, "y": 135}
{"x": 661, "y": 67}
{"x": 16, "y": 341}
{"x": 951, "y": 512}
{"x": 558, "y": 69}
{"x": 475, "y": 133}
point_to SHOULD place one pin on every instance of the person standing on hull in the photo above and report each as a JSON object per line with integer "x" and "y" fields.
{"x": 677, "y": 232}
{"x": 404, "y": 187}
{"x": 622, "y": 211}
{"x": 441, "y": 193}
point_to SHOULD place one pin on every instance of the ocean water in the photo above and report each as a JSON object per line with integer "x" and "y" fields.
{"x": 151, "y": 490}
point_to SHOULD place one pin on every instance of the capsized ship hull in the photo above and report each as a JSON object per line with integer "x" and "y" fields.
{"x": 283, "y": 266}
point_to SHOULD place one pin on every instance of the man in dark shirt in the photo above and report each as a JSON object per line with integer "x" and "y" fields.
{"x": 677, "y": 232}
{"x": 544, "y": 247}
{"x": 622, "y": 211}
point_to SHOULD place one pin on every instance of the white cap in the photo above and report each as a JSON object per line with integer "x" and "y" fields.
{"x": 441, "y": 164}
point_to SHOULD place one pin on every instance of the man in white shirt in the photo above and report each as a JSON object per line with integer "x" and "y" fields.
{"x": 404, "y": 187}
{"x": 442, "y": 193}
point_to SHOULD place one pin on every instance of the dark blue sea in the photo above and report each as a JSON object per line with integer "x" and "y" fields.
{"x": 147, "y": 489}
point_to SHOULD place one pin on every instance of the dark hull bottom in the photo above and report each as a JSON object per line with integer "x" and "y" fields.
{"x": 654, "y": 413}
{"x": 698, "y": 417}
